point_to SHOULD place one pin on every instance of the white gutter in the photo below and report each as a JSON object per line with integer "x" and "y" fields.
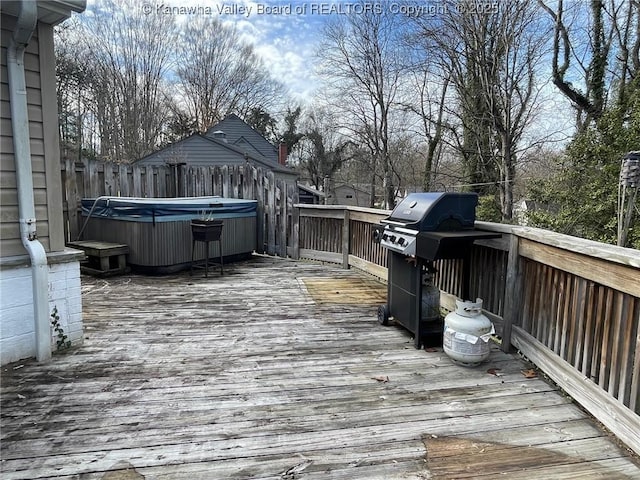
{"x": 24, "y": 28}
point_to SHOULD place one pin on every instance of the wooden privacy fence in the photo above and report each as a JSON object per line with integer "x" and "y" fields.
{"x": 91, "y": 179}
{"x": 570, "y": 305}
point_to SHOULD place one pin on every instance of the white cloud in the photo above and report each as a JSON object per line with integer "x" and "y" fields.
{"x": 286, "y": 42}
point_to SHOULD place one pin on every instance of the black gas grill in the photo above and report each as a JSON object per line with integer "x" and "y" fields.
{"x": 425, "y": 227}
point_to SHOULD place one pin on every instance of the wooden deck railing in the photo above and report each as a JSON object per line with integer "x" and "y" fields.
{"x": 570, "y": 305}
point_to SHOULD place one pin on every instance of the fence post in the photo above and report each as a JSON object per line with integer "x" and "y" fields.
{"x": 71, "y": 187}
{"x": 149, "y": 181}
{"x": 184, "y": 174}
{"x": 136, "y": 174}
{"x": 512, "y": 292}
{"x": 259, "y": 191}
{"x": 226, "y": 184}
{"x": 94, "y": 180}
{"x": 284, "y": 219}
{"x": 346, "y": 238}
{"x": 271, "y": 213}
{"x": 122, "y": 180}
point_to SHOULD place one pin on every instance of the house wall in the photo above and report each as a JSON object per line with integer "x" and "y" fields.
{"x": 194, "y": 151}
{"x": 17, "y": 338}
{"x": 42, "y": 109}
{"x": 16, "y": 315}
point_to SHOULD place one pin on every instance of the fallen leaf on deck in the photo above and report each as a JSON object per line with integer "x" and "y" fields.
{"x": 494, "y": 372}
{"x": 531, "y": 373}
{"x": 293, "y": 471}
{"x": 430, "y": 349}
{"x": 383, "y": 379}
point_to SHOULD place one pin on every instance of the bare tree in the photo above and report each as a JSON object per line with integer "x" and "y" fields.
{"x": 323, "y": 148}
{"x": 509, "y": 87}
{"x": 360, "y": 61}
{"x": 220, "y": 73}
{"x": 447, "y": 51}
{"x": 492, "y": 60}
{"x": 425, "y": 95}
{"x": 73, "y": 76}
{"x": 130, "y": 54}
{"x": 586, "y": 38}
{"x": 427, "y": 99}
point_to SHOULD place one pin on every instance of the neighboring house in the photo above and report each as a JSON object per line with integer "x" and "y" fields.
{"x": 230, "y": 142}
{"x": 37, "y": 272}
{"x": 309, "y": 195}
{"x": 352, "y": 195}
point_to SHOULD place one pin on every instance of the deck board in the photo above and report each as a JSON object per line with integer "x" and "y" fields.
{"x": 257, "y": 375}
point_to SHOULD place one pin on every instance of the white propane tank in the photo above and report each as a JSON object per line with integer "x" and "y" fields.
{"x": 466, "y": 334}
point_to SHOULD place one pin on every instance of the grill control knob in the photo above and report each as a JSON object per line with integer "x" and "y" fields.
{"x": 401, "y": 242}
{"x": 393, "y": 239}
{"x": 385, "y": 236}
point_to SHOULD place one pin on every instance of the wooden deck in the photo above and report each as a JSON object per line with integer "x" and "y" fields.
{"x": 279, "y": 370}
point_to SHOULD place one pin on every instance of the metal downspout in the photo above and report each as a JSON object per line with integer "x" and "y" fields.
{"x": 24, "y": 28}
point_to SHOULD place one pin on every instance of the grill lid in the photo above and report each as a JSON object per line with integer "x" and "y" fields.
{"x": 433, "y": 211}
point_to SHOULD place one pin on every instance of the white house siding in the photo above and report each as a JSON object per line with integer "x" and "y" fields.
{"x": 16, "y": 316}
{"x": 17, "y": 339}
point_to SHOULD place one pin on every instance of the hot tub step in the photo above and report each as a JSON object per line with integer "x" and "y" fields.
{"x": 103, "y": 258}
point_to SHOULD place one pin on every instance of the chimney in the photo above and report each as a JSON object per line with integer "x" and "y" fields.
{"x": 282, "y": 154}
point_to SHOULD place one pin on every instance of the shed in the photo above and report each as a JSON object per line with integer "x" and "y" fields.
{"x": 309, "y": 195}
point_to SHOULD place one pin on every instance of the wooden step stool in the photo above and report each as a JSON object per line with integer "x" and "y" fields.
{"x": 103, "y": 258}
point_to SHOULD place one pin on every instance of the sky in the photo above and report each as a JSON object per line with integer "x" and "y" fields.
{"x": 285, "y": 34}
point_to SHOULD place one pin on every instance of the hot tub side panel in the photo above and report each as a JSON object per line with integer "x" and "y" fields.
{"x": 166, "y": 246}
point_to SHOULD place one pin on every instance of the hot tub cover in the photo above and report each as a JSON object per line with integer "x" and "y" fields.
{"x": 167, "y": 209}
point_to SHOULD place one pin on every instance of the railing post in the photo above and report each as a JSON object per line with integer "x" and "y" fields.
{"x": 295, "y": 233}
{"x": 512, "y": 292}
{"x": 346, "y": 238}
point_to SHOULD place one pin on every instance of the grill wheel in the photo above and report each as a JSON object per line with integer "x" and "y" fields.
{"x": 383, "y": 314}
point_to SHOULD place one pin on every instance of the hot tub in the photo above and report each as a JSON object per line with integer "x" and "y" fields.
{"x": 158, "y": 230}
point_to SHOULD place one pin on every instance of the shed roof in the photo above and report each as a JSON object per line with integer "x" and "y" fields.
{"x": 311, "y": 190}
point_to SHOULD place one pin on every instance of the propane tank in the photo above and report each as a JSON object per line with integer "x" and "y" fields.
{"x": 466, "y": 334}
{"x": 430, "y": 299}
